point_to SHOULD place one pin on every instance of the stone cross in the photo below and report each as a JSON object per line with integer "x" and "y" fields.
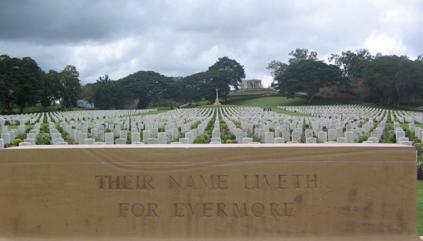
{"x": 216, "y": 102}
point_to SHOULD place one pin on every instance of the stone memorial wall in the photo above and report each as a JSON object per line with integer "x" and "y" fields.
{"x": 208, "y": 192}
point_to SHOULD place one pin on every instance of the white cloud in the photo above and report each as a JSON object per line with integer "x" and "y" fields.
{"x": 184, "y": 37}
{"x": 384, "y": 43}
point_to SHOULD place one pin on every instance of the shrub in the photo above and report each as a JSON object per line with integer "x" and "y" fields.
{"x": 43, "y": 139}
{"x": 363, "y": 138}
{"x": 203, "y": 139}
{"x": 16, "y": 142}
{"x": 230, "y": 141}
{"x": 195, "y": 125}
{"x": 21, "y": 136}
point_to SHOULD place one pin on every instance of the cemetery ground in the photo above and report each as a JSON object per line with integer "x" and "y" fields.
{"x": 290, "y": 121}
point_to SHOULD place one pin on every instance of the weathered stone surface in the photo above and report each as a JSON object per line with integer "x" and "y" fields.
{"x": 213, "y": 192}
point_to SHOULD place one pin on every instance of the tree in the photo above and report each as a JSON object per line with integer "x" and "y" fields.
{"x": 87, "y": 92}
{"x": 393, "y": 80}
{"x": 8, "y": 82}
{"x": 20, "y": 80}
{"x": 29, "y": 80}
{"x": 105, "y": 96}
{"x": 234, "y": 71}
{"x": 190, "y": 88}
{"x": 276, "y": 68}
{"x": 50, "y": 88}
{"x": 204, "y": 84}
{"x": 302, "y": 54}
{"x": 308, "y": 76}
{"x": 147, "y": 87}
{"x": 70, "y": 86}
{"x": 352, "y": 65}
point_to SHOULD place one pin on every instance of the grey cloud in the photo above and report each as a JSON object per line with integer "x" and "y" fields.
{"x": 63, "y": 21}
{"x": 186, "y": 36}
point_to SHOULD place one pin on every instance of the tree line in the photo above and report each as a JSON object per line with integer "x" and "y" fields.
{"x": 358, "y": 75}
{"x": 23, "y": 83}
{"x": 384, "y": 79}
{"x": 147, "y": 88}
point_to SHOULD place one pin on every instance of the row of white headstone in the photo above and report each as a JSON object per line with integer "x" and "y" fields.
{"x": 181, "y": 125}
{"x": 14, "y": 126}
{"x": 370, "y": 122}
{"x": 316, "y": 124}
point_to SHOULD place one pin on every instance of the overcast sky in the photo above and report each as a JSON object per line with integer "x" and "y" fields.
{"x": 181, "y": 37}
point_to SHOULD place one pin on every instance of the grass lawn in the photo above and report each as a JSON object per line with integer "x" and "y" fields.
{"x": 420, "y": 207}
{"x": 38, "y": 108}
{"x": 277, "y": 100}
{"x": 158, "y": 110}
{"x": 268, "y": 101}
{"x": 245, "y": 92}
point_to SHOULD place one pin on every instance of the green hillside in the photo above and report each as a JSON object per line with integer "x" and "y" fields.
{"x": 267, "y": 101}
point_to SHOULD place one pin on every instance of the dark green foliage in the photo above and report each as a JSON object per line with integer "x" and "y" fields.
{"x": 204, "y": 85}
{"x": 43, "y": 139}
{"x": 233, "y": 70}
{"x": 138, "y": 90}
{"x": 388, "y": 135}
{"x": 105, "y": 95}
{"x": 88, "y": 91}
{"x": 19, "y": 81}
{"x": 21, "y": 136}
{"x": 70, "y": 86}
{"x": 387, "y": 80}
{"x": 202, "y": 139}
{"x": 392, "y": 80}
{"x": 307, "y": 76}
{"x": 50, "y": 88}
{"x": 145, "y": 86}
{"x": 363, "y": 138}
{"x": 276, "y": 68}
{"x": 352, "y": 65}
{"x": 24, "y": 84}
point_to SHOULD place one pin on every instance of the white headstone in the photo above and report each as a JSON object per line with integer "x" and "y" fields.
{"x": 311, "y": 139}
{"x": 135, "y": 137}
{"x": 322, "y": 136}
{"x": 109, "y": 138}
{"x": 247, "y": 140}
{"x": 279, "y": 140}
